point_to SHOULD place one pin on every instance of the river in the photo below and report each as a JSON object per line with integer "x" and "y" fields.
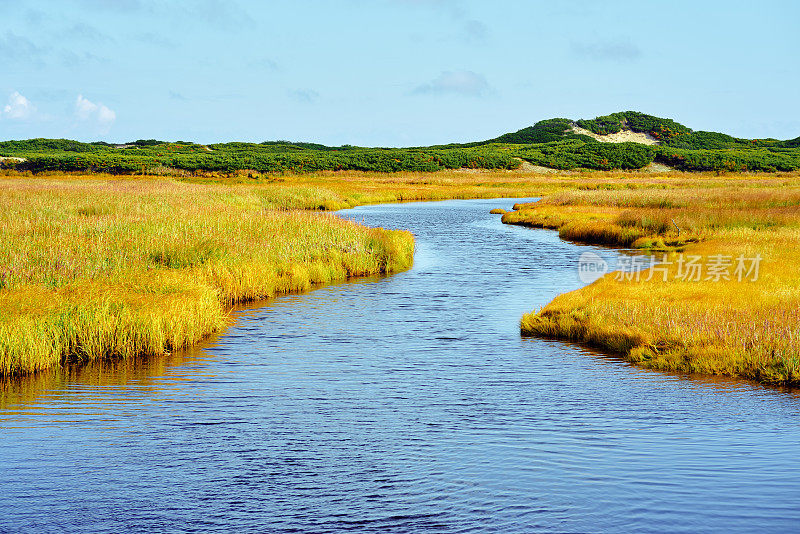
{"x": 408, "y": 403}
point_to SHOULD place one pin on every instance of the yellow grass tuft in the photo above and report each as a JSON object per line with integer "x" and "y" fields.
{"x": 93, "y": 269}
{"x": 748, "y": 329}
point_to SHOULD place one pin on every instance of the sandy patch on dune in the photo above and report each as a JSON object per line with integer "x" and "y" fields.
{"x": 624, "y": 136}
{"x": 4, "y": 158}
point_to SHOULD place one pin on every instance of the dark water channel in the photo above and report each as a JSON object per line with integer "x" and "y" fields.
{"x": 401, "y": 404}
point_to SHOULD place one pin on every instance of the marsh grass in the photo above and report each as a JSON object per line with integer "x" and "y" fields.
{"x": 748, "y": 329}
{"x": 97, "y": 267}
{"x": 150, "y": 266}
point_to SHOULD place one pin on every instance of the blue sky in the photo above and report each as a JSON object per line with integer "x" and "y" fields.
{"x": 390, "y": 72}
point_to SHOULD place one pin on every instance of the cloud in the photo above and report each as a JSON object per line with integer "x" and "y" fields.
{"x": 174, "y": 95}
{"x": 114, "y": 5}
{"x": 460, "y": 82}
{"x": 306, "y": 96}
{"x": 97, "y": 114}
{"x": 263, "y": 63}
{"x": 74, "y": 59}
{"x": 18, "y": 107}
{"x": 467, "y": 28}
{"x": 222, "y": 15}
{"x": 154, "y": 39}
{"x": 81, "y": 30}
{"x": 16, "y": 48}
{"x": 606, "y": 51}
{"x": 35, "y": 17}
{"x": 475, "y": 31}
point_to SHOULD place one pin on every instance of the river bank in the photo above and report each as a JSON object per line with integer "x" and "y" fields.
{"x": 115, "y": 269}
{"x": 719, "y": 294}
{"x": 400, "y": 403}
{"x": 100, "y": 266}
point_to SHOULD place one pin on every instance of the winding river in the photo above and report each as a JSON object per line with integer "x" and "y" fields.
{"x": 401, "y": 404}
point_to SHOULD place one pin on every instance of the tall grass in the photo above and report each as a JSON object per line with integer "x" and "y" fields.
{"x": 747, "y": 329}
{"x": 94, "y": 268}
{"x": 100, "y": 266}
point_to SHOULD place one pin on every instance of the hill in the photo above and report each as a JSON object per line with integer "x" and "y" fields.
{"x": 624, "y": 140}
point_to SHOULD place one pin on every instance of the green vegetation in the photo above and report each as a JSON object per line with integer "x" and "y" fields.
{"x": 148, "y": 157}
{"x": 659, "y": 128}
{"x": 731, "y": 160}
{"x": 577, "y": 154}
{"x": 546, "y": 131}
{"x": 549, "y": 143}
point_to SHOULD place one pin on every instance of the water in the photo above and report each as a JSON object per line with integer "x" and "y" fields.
{"x": 401, "y": 404}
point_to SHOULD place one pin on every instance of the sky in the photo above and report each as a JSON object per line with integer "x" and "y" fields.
{"x": 390, "y": 72}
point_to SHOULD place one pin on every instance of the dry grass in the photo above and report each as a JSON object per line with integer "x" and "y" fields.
{"x": 96, "y": 268}
{"x": 747, "y": 329}
{"x": 99, "y": 266}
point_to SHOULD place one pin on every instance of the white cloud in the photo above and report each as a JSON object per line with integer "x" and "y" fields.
{"x": 99, "y": 114}
{"x": 84, "y": 108}
{"x": 18, "y": 107}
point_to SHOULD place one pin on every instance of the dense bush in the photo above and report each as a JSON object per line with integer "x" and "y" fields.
{"x": 147, "y": 142}
{"x": 542, "y": 132}
{"x": 577, "y": 154}
{"x": 705, "y": 141}
{"x": 638, "y": 122}
{"x": 266, "y": 159}
{"x": 755, "y": 159}
{"x": 792, "y": 143}
{"x": 655, "y": 126}
{"x": 549, "y": 143}
{"x": 605, "y": 125}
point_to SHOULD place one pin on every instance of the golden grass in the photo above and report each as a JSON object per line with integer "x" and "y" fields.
{"x": 748, "y": 329}
{"x": 99, "y": 266}
{"x": 96, "y": 268}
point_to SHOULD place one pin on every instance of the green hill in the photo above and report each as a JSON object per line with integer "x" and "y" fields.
{"x": 557, "y": 143}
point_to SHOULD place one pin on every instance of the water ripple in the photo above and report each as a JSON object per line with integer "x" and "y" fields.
{"x": 401, "y": 404}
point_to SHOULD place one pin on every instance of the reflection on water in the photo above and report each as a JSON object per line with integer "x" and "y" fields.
{"x": 405, "y": 403}
{"x": 19, "y": 394}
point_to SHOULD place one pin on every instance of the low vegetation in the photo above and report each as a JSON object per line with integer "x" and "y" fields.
{"x": 101, "y": 266}
{"x": 549, "y": 143}
{"x": 740, "y": 316}
{"x": 107, "y": 268}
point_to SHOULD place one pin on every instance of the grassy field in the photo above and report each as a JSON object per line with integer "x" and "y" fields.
{"x": 101, "y": 266}
{"x": 722, "y": 317}
{"x": 115, "y": 268}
